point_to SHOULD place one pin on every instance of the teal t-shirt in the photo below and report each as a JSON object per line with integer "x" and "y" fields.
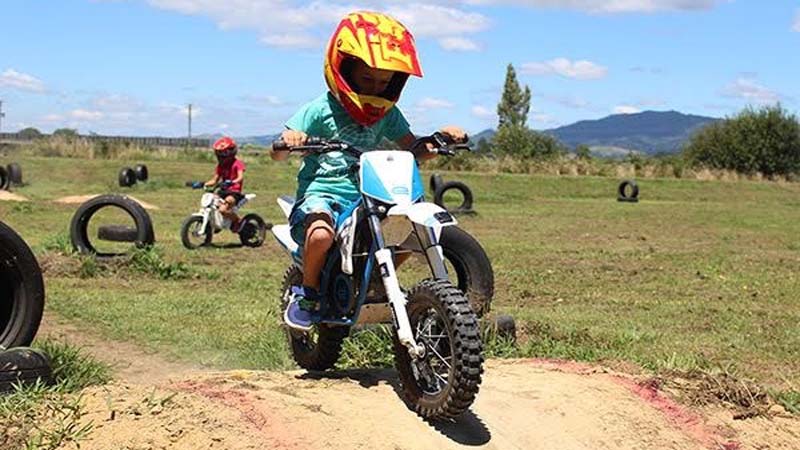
{"x": 329, "y": 173}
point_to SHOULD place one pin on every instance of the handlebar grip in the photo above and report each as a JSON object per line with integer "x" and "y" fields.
{"x": 278, "y": 145}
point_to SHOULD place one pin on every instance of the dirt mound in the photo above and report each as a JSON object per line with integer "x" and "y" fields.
{"x": 10, "y": 196}
{"x": 77, "y": 199}
{"x": 522, "y": 404}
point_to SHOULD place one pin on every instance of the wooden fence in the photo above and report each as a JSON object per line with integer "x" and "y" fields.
{"x": 140, "y": 141}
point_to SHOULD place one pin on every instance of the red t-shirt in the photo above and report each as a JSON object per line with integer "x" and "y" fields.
{"x": 231, "y": 172}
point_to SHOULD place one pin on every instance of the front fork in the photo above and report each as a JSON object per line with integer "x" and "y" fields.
{"x": 397, "y": 299}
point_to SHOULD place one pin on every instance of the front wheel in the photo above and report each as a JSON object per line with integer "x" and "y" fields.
{"x": 192, "y": 235}
{"x": 444, "y": 382}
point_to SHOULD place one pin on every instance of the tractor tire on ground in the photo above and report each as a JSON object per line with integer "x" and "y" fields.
{"x": 502, "y": 326}
{"x": 117, "y": 233}
{"x": 78, "y": 230}
{"x": 466, "y": 193}
{"x": 318, "y": 349}
{"x": 23, "y": 365}
{"x": 14, "y": 173}
{"x": 21, "y": 291}
{"x": 622, "y": 192}
{"x": 141, "y": 172}
{"x": 474, "y": 274}
{"x": 443, "y": 383}
{"x": 5, "y": 181}
{"x": 127, "y": 177}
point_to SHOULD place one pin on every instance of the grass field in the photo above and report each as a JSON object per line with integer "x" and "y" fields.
{"x": 697, "y": 275}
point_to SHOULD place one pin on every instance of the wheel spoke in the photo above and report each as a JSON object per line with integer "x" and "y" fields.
{"x": 441, "y": 358}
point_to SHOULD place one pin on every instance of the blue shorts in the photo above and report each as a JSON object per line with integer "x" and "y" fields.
{"x": 331, "y": 205}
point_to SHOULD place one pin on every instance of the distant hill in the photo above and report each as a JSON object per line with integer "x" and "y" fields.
{"x": 649, "y": 131}
{"x": 645, "y": 132}
{"x": 263, "y": 140}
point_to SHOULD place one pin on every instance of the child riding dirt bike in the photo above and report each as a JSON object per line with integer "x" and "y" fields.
{"x": 359, "y": 108}
{"x": 229, "y": 174}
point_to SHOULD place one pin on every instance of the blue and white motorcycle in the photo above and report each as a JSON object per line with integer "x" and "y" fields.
{"x": 437, "y": 343}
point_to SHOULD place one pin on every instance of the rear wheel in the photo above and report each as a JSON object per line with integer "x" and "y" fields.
{"x": 253, "y": 231}
{"x": 319, "y": 348}
{"x": 443, "y": 383}
{"x": 192, "y": 235}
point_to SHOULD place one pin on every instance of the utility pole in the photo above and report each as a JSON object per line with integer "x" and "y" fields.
{"x": 2, "y": 114}
{"x": 190, "y": 126}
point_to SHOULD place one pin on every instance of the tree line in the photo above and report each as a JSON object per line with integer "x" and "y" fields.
{"x": 762, "y": 140}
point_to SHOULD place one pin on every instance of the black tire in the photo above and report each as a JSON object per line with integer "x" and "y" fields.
{"x": 466, "y": 193}
{"x": 14, "y": 173}
{"x": 141, "y": 172}
{"x": 188, "y": 230}
{"x": 78, "y": 230}
{"x": 502, "y": 326}
{"x": 117, "y": 233}
{"x": 253, "y": 231}
{"x": 435, "y": 183}
{"x": 5, "y": 181}
{"x": 21, "y": 291}
{"x": 438, "y": 304}
{"x": 23, "y": 365}
{"x": 127, "y": 177}
{"x": 622, "y": 191}
{"x": 474, "y": 274}
{"x": 318, "y": 349}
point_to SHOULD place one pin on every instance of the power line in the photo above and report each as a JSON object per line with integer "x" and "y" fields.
{"x": 190, "y": 124}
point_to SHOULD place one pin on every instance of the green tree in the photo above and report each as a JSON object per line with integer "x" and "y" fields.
{"x": 766, "y": 140}
{"x": 483, "y": 147}
{"x": 30, "y": 133}
{"x": 68, "y": 133}
{"x": 522, "y": 142}
{"x": 515, "y": 102}
{"x": 583, "y": 152}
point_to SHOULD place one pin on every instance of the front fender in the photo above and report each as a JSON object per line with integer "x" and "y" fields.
{"x": 424, "y": 213}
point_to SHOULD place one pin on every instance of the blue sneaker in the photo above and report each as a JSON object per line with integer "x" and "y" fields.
{"x": 298, "y": 314}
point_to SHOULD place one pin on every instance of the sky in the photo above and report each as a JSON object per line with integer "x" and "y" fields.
{"x": 132, "y": 67}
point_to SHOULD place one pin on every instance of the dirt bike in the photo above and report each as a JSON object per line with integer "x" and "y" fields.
{"x": 437, "y": 343}
{"x": 199, "y": 228}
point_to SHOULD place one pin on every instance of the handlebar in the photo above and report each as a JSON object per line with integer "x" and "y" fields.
{"x": 202, "y": 185}
{"x": 443, "y": 144}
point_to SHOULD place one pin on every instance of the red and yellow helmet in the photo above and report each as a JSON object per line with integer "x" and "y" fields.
{"x": 381, "y": 42}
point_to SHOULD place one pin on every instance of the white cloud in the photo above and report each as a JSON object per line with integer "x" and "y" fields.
{"x": 86, "y": 115}
{"x": 285, "y": 24}
{"x": 458, "y": 44}
{"x": 263, "y": 100}
{"x": 433, "y": 103}
{"x": 612, "y": 6}
{"x": 438, "y": 21}
{"x": 750, "y": 90}
{"x": 542, "y": 118}
{"x": 580, "y": 70}
{"x": 483, "y": 112}
{"x": 796, "y": 24}
{"x": 626, "y": 109}
{"x": 292, "y": 40}
{"x": 53, "y": 118}
{"x": 18, "y": 80}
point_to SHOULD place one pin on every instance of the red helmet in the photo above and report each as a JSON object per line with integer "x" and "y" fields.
{"x": 225, "y": 147}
